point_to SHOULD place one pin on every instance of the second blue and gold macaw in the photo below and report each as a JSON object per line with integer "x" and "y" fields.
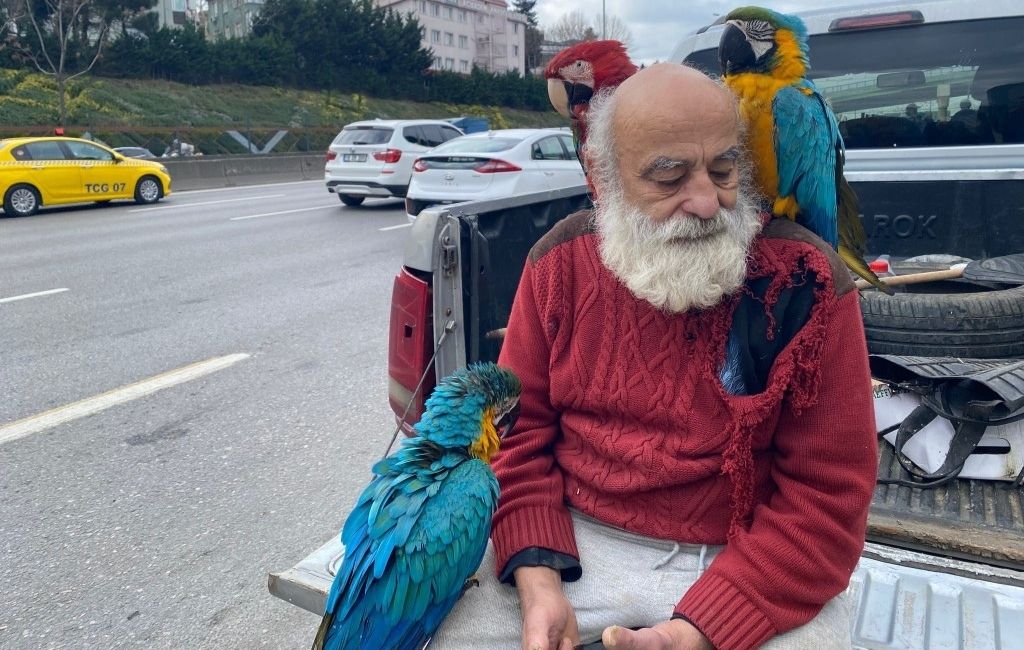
{"x": 793, "y": 135}
{"x": 419, "y": 529}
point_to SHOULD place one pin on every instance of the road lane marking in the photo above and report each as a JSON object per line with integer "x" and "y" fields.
{"x": 401, "y": 225}
{"x": 48, "y": 292}
{"x": 90, "y": 405}
{"x": 272, "y": 214}
{"x": 190, "y": 205}
{"x": 235, "y": 188}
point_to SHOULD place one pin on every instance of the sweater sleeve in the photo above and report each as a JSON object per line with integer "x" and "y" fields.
{"x": 803, "y": 544}
{"x": 531, "y": 511}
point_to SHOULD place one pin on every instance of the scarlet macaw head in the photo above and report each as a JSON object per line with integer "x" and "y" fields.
{"x": 579, "y": 71}
{"x": 763, "y": 41}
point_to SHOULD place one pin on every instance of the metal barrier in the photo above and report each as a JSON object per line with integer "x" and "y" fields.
{"x": 206, "y": 172}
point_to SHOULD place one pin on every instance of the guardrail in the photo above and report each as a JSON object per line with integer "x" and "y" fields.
{"x": 206, "y": 172}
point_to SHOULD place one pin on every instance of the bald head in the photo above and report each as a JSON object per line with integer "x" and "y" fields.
{"x": 666, "y": 92}
{"x": 669, "y": 139}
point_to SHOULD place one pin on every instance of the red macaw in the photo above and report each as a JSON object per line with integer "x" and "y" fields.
{"x": 579, "y": 72}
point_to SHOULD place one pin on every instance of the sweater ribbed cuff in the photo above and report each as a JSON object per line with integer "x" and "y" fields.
{"x": 526, "y": 527}
{"x": 724, "y": 614}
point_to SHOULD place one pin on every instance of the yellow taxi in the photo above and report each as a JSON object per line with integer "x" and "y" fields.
{"x": 57, "y": 170}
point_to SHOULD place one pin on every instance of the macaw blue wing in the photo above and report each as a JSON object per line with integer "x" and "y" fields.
{"x": 410, "y": 544}
{"x": 806, "y": 136}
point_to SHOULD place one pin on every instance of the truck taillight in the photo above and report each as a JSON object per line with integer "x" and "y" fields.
{"x": 330, "y": 155}
{"x": 410, "y": 347}
{"x": 388, "y": 155}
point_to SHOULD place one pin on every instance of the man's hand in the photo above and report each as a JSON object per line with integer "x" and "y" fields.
{"x": 549, "y": 622}
{"x": 676, "y": 634}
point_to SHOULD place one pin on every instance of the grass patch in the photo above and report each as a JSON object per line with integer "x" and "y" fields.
{"x": 30, "y": 99}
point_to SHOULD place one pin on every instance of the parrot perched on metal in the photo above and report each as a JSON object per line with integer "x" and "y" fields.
{"x": 793, "y": 134}
{"x": 419, "y": 529}
{"x": 579, "y": 72}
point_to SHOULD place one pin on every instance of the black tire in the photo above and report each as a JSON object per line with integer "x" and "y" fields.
{"x": 984, "y": 325}
{"x": 21, "y": 200}
{"x": 351, "y": 201}
{"x": 148, "y": 190}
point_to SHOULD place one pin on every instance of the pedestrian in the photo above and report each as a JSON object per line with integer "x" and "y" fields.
{"x": 696, "y": 452}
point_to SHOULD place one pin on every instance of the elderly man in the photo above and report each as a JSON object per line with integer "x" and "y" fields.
{"x": 695, "y": 456}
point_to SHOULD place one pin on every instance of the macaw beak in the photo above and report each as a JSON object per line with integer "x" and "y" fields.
{"x": 578, "y": 94}
{"x": 734, "y": 51}
{"x": 558, "y": 96}
{"x": 505, "y": 423}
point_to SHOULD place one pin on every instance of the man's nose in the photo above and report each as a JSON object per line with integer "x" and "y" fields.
{"x": 701, "y": 196}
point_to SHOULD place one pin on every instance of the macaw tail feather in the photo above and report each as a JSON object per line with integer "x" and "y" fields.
{"x": 856, "y": 264}
{"x": 852, "y": 237}
{"x": 321, "y": 633}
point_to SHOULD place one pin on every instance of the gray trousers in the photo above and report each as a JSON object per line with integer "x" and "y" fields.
{"x": 628, "y": 580}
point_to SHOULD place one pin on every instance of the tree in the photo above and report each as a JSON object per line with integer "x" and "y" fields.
{"x": 526, "y": 7}
{"x": 616, "y": 29}
{"x": 47, "y": 37}
{"x": 574, "y": 27}
{"x": 570, "y": 28}
{"x": 533, "y": 36}
{"x": 10, "y": 12}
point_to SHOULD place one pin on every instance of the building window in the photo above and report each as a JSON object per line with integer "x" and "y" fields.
{"x": 437, "y": 62}
{"x": 462, "y": 15}
{"x": 463, "y": 65}
{"x": 515, "y": 50}
{"x": 449, "y": 64}
{"x": 423, "y": 6}
{"x": 449, "y": 13}
{"x": 423, "y": 33}
{"x": 435, "y": 9}
{"x": 515, "y": 28}
{"x": 435, "y": 36}
{"x": 449, "y": 38}
{"x": 463, "y": 42}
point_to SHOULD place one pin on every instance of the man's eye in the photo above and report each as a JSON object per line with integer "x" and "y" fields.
{"x": 722, "y": 175}
{"x": 668, "y": 182}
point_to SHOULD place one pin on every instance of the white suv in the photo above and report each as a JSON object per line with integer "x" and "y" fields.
{"x": 374, "y": 158}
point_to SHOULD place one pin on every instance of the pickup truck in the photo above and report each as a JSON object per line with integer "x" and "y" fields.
{"x": 943, "y": 568}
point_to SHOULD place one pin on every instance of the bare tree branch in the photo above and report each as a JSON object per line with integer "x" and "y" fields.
{"x": 52, "y": 53}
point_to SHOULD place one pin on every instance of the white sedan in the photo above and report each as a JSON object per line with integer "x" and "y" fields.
{"x": 493, "y": 164}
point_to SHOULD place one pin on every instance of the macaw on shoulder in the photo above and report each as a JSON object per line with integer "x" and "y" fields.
{"x": 420, "y": 528}
{"x": 579, "y": 72}
{"x": 793, "y": 135}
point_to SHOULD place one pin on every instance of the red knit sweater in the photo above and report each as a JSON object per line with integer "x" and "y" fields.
{"x": 624, "y": 418}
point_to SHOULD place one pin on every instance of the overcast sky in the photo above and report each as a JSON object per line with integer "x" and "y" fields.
{"x": 657, "y": 25}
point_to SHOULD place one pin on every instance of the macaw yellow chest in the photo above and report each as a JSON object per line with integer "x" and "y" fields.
{"x": 755, "y": 93}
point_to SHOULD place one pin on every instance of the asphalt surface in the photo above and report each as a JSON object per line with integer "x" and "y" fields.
{"x": 153, "y": 523}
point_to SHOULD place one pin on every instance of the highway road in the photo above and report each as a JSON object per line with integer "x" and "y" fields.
{"x": 191, "y": 394}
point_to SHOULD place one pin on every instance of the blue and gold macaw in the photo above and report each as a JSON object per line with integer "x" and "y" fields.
{"x": 419, "y": 529}
{"x": 793, "y": 134}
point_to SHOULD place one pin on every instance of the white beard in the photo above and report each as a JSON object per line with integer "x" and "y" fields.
{"x": 683, "y": 262}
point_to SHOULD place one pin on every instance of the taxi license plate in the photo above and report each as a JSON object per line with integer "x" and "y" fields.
{"x": 353, "y": 157}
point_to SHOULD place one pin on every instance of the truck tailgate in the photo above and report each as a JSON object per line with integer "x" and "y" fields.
{"x": 904, "y": 600}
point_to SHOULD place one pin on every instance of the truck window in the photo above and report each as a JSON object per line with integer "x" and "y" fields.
{"x": 931, "y": 85}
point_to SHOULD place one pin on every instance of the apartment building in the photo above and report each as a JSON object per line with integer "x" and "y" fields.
{"x": 464, "y": 33}
{"x": 231, "y": 18}
{"x": 176, "y": 13}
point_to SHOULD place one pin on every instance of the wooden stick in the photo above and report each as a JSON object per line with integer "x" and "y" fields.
{"x": 951, "y": 273}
